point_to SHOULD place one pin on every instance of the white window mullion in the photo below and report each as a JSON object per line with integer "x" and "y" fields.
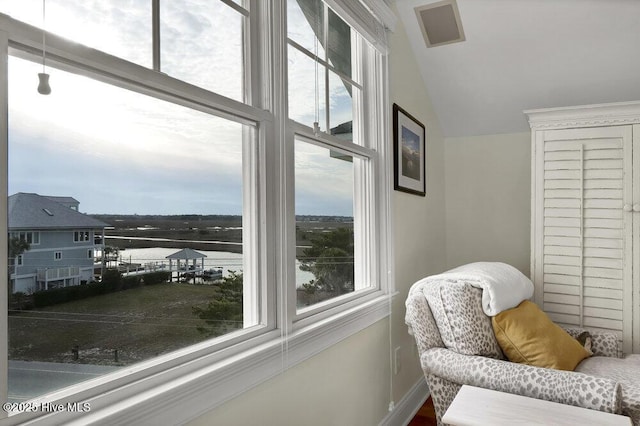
{"x": 280, "y": 192}
{"x": 364, "y": 173}
{"x": 289, "y": 233}
{"x": 4, "y": 267}
{"x": 250, "y": 231}
{"x": 375, "y": 104}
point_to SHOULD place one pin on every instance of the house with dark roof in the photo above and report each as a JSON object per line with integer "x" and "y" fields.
{"x": 62, "y": 242}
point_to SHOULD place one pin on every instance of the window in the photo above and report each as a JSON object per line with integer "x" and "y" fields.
{"x": 201, "y": 43}
{"x": 172, "y": 206}
{"x": 324, "y": 222}
{"x": 80, "y": 236}
{"x": 324, "y": 83}
{"x": 31, "y": 238}
{"x": 209, "y": 51}
{"x": 242, "y": 195}
{"x": 332, "y": 159}
{"x": 118, "y": 27}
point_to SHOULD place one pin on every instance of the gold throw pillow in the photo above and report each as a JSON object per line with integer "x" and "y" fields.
{"x": 527, "y": 336}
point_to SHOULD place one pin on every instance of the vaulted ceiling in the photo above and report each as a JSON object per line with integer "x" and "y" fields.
{"x": 527, "y": 54}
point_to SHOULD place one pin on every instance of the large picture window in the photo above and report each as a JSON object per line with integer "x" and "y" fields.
{"x": 201, "y": 201}
{"x": 164, "y": 185}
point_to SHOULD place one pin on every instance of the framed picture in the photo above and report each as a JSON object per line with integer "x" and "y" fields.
{"x": 408, "y": 152}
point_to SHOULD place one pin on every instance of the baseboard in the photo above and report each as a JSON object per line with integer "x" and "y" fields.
{"x": 408, "y": 406}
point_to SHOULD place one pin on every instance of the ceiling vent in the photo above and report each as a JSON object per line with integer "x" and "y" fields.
{"x": 440, "y": 23}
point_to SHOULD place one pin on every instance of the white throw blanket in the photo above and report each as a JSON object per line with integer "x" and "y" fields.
{"x": 503, "y": 286}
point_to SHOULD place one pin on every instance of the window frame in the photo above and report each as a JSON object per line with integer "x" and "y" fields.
{"x": 181, "y": 385}
{"x": 81, "y": 236}
{"x": 33, "y": 235}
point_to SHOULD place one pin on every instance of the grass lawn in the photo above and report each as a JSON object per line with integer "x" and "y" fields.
{"x": 139, "y": 323}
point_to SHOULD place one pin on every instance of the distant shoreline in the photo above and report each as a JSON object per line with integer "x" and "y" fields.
{"x": 201, "y": 232}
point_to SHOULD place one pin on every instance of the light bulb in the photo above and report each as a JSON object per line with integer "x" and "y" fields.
{"x": 43, "y": 86}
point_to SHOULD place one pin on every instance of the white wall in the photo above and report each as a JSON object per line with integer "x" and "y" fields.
{"x": 349, "y": 384}
{"x": 488, "y": 187}
{"x": 419, "y": 221}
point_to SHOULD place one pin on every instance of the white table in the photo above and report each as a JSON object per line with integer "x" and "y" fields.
{"x": 478, "y": 406}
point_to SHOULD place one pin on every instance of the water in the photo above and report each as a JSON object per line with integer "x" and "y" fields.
{"x": 215, "y": 259}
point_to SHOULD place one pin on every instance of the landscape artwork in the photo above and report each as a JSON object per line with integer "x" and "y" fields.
{"x": 409, "y": 152}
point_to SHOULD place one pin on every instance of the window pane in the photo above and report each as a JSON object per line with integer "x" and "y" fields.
{"x": 118, "y": 27}
{"x": 324, "y": 182}
{"x": 305, "y": 24}
{"x": 201, "y": 43}
{"x": 306, "y": 90}
{"x": 341, "y": 107}
{"x": 164, "y": 184}
{"x": 339, "y": 40}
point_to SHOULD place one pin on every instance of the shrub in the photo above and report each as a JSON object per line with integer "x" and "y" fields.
{"x": 130, "y": 282}
{"x": 20, "y": 301}
{"x": 112, "y": 280}
{"x": 157, "y": 277}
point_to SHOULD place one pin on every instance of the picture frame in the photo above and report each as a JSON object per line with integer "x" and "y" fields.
{"x": 409, "y": 153}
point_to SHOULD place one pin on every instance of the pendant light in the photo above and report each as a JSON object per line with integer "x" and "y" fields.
{"x": 43, "y": 77}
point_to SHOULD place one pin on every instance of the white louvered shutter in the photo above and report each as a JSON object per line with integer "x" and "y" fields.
{"x": 584, "y": 252}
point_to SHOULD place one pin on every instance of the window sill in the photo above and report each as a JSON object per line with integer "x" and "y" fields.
{"x": 182, "y": 393}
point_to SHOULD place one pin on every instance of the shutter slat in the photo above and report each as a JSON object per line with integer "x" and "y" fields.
{"x": 603, "y": 283}
{"x": 598, "y": 302}
{"x": 614, "y": 274}
{"x": 614, "y": 243}
{"x": 561, "y": 288}
{"x": 561, "y": 308}
{"x": 603, "y": 323}
{"x": 560, "y": 231}
{"x": 603, "y": 293}
{"x": 569, "y": 299}
{"x": 561, "y": 260}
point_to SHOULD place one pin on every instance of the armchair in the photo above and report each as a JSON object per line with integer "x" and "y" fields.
{"x": 469, "y": 357}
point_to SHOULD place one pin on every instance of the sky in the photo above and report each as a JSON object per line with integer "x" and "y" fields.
{"x": 116, "y": 151}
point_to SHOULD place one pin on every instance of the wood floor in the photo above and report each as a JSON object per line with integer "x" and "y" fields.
{"x": 425, "y": 416}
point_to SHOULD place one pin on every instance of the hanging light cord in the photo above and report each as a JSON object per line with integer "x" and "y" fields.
{"x": 44, "y": 39}
{"x": 43, "y": 78}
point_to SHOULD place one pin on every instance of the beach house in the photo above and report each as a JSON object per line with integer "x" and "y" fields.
{"x": 62, "y": 242}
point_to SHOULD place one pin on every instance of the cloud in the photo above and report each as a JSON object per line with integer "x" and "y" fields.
{"x": 324, "y": 185}
{"x": 117, "y": 151}
{"x": 120, "y": 151}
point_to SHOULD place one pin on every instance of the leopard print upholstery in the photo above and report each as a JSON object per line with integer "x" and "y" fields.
{"x": 442, "y": 394}
{"x": 421, "y": 323}
{"x": 463, "y": 325}
{"x": 565, "y": 387}
{"x": 591, "y": 386}
{"x": 602, "y": 343}
{"x": 626, "y": 371}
